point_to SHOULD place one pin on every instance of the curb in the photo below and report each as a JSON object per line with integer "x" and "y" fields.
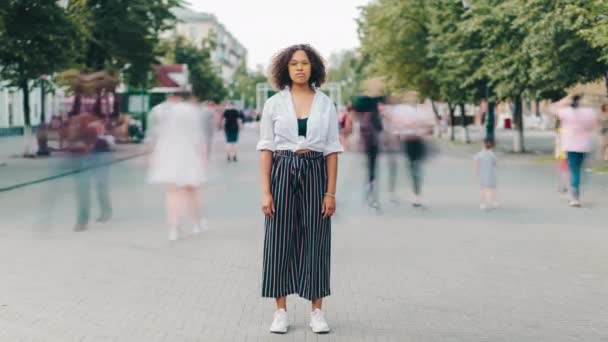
{"x": 68, "y": 173}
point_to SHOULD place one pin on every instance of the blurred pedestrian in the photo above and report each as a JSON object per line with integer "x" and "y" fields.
{"x": 232, "y": 121}
{"x": 208, "y": 118}
{"x": 391, "y": 145}
{"x": 603, "y": 152}
{"x": 178, "y": 160}
{"x": 578, "y": 125}
{"x": 89, "y": 156}
{"x": 562, "y": 162}
{"x": 370, "y": 127}
{"x": 485, "y": 170}
{"x": 299, "y": 144}
{"x": 346, "y": 125}
{"x": 414, "y": 126}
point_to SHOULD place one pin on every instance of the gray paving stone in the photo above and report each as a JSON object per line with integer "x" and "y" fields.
{"x": 534, "y": 270}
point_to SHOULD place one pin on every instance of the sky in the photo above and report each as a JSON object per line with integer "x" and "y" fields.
{"x": 266, "y": 26}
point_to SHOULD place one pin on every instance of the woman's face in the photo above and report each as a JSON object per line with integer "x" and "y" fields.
{"x": 299, "y": 68}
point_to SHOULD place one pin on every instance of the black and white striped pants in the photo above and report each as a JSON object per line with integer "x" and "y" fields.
{"x": 297, "y": 242}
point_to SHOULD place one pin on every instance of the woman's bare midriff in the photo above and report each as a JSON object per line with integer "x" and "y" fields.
{"x": 302, "y": 151}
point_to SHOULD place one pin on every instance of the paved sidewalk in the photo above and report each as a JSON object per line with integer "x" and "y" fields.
{"x": 17, "y": 171}
{"x": 534, "y": 270}
{"x": 10, "y": 146}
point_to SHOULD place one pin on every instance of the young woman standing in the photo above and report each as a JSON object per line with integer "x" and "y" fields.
{"x": 299, "y": 144}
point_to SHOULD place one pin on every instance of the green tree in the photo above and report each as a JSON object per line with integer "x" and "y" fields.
{"x": 456, "y": 54}
{"x": 349, "y": 69}
{"x": 126, "y": 33}
{"x": 505, "y": 64}
{"x": 394, "y": 37}
{"x": 244, "y": 82}
{"x": 37, "y": 39}
{"x": 204, "y": 76}
{"x": 591, "y": 22}
{"x": 536, "y": 52}
{"x": 507, "y": 50}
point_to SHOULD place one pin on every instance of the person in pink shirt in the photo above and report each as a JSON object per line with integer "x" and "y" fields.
{"x": 578, "y": 126}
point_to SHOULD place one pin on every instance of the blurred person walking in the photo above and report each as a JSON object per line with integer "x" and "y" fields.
{"x": 562, "y": 161}
{"x": 208, "y": 113}
{"x": 577, "y": 135}
{"x": 603, "y": 151}
{"x": 485, "y": 170}
{"x": 178, "y": 160}
{"x": 346, "y": 125}
{"x": 413, "y": 126}
{"x": 89, "y": 156}
{"x": 370, "y": 128}
{"x": 232, "y": 121}
{"x": 299, "y": 144}
{"x": 391, "y": 145}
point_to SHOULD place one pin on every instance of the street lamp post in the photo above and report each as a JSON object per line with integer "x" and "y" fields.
{"x": 262, "y": 90}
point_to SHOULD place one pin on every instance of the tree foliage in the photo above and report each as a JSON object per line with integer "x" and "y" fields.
{"x": 592, "y": 22}
{"x": 244, "y": 82}
{"x": 204, "y": 75}
{"x": 348, "y": 68}
{"x": 394, "y": 35}
{"x": 496, "y": 49}
{"x": 535, "y": 48}
{"x": 37, "y": 39}
{"x": 124, "y": 34}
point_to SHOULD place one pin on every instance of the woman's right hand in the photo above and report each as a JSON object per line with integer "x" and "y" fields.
{"x": 268, "y": 205}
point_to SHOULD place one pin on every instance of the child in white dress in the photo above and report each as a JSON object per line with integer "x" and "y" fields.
{"x": 485, "y": 168}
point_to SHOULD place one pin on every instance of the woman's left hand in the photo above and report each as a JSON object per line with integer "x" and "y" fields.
{"x": 329, "y": 206}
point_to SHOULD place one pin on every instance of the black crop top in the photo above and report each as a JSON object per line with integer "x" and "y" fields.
{"x": 302, "y": 126}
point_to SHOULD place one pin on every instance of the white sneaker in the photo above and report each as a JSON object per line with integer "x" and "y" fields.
{"x": 280, "y": 323}
{"x": 575, "y": 203}
{"x": 201, "y": 227}
{"x": 483, "y": 206}
{"x": 318, "y": 324}
{"x": 173, "y": 234}
{"x": 196, "y": 229}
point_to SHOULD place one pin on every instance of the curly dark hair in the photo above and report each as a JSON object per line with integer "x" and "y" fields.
{"x": 279, "y": 67}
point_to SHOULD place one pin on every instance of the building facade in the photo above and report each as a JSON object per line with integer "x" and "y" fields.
{"x": 12, "y": 118}
{"x": 196, "y": 27}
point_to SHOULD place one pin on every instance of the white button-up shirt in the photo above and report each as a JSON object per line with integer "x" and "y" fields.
{"x": 279, "y": 125}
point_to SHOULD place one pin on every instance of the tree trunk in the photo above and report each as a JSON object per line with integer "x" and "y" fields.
{"x": 490, "y": 115}
{"x": 26, "y": 103}
{"x": 491, "y": 121}
{"x": 28, "y": 147}
{"x": 465, "y": 129}
{"x": 42, "y": 102}
{"x": 452, "y": 122}
{"x": 435, "y": 111}
{"x": 518, "y": 137}
{"x": 437, "y": 118}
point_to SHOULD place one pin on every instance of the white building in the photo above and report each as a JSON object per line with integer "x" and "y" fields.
{"x": 196, "y": 27}
{"x": 12, "y": 118}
